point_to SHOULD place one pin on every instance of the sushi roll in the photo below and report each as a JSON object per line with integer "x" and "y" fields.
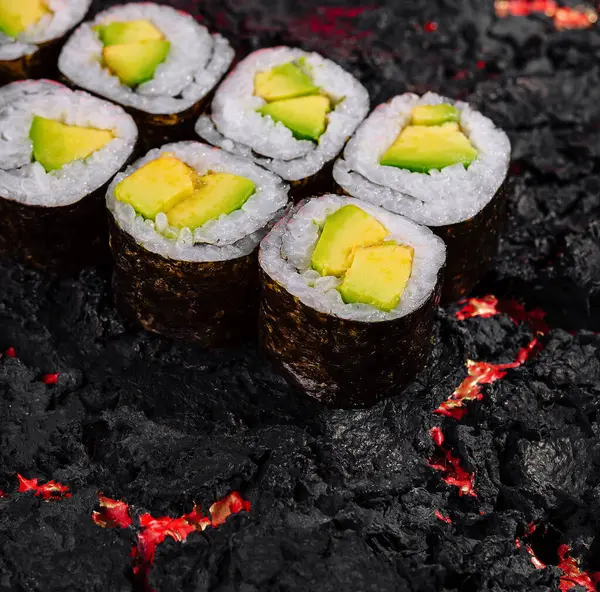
{"x": 32, "y": 33}
{"x": 58, "y": 150}
{"x": 157, "y": 62}
{"x": 442, "y": 164}
{"x": 348, "y": 297}
{"x": 290, "y": 111}
{"x": 185, "y": 222}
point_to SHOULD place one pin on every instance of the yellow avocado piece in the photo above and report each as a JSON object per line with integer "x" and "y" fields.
{"x": 434, "y": 114}
{"x": 344, "y": 231}
{"x": 18, "y": 15}
{"x": 127, "y": 32}
{"x": 157, "y": 186}
{"x": 423, "y": 148}
{"x": 56, "y": 144}
{"x": 306, "y": 117}
{"x": 283, "y": 82}
{"x": 378, "y": 275}
{"x": 134, "y": 63}
{"x": 216, "y": 194}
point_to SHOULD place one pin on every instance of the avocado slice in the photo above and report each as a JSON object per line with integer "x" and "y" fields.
{"x": 216, "y": 194}
{"x": 17, "y": 15}
{"x": 345, "y": 230}
{"x": 434, "y": 114}
{"x": 378, "y": 275}
{"x": 306, "y": 117}
{"x": 118, "y": 32}
{"x": 134, "y": 63}
{"x": 56, "y": 144}
{"x": 421, "y": 149}
{"x": 283, "y": 82}
{"x": 157, "y": 186}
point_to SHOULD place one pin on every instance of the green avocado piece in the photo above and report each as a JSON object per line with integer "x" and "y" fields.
{"x": 215, "y": 194}
{"x": 421, "y": 149}
{"x": 134, "y": 63}
{"x": 17, "y": 15}
{"x": 306, "y": 117}
{"x": 345, "y": 230}
{"x": 118, "y": 32}
{"x": 157, "y": 186}
{"x": 283, "y": 82}
{"x": 378, "y": 275}
{"x": 434, "y": 114}
{"x": 56, "y": 144}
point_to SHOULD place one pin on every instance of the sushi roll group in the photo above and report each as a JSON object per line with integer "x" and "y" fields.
{"x": 157, "y": 62}
{"x": 290, "y": 111}
{"x": 58, "y": 151}
{"x": 31, "y": 34}
{"x": 443, "y": 165}
{"x": 185, "y": 224}
{"x": 349, "y": 294}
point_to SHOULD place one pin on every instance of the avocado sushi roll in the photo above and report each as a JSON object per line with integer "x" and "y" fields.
{"x": 185, "y": 222}
{"x": 58, "y": 151}
{"x": 348, "y": 297}
{"x": 442, "y": 164}
{"x": 290, "y": 111}
{"x": 157, "y": 62}
{"x": 32, "y": 33}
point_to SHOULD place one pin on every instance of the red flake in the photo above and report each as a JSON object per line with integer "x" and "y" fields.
{"x": 480, "y": 65}
{"x": 430, "y": 27}
{"x": 50, "y": 378}
{"x": 454, "y": 474}
{"x": 484, "y": 307}
{"x": 461, "y": 75}
{"x": 563, "y": 17}
{"x": 443, "y": 518}
{"x": 10, "y": 352}
{"x": 49, "y": 491}
{"x": 230, "y": 504}
{"x": 572, "y": 575}
{"x": 3, "y": 494}
{"x": 112, "y": 514}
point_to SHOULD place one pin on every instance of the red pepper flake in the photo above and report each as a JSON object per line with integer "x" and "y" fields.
{"x": 50, "y": 378}
{"x": 444, "y": 461}
{"x": 480, "y": 373}
{"x": 10, "y": 353}
{"x": 443, "y": 518}
{"x": 564, "y": 17}
{"x": 430, "y": 27}
{"x": 572, "y": 575}
{"x": 49, "y": 491}
{"x": 3, "y": 494}
{"x": 480, "y": 65}
{"x": 112, "y": 514}
{"x": 230, "y": 504}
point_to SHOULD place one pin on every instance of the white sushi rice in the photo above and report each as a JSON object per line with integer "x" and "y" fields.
{"x": 227, "y": 237}
{"x": 235, "y": 125}
{"x": 436, "y": 198}
{"x": 26, "y": 181}
{"x": 285, "y": 255}
{"x": 63, "y": 16}
{"x": 195, "y": 63}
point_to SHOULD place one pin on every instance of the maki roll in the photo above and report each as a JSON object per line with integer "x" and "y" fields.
{"x": 58, "y": 150}
{"x": 184, "y": 227}
{"x": 349, "y": 294}
{"x": 31, "y": 35}
{"x": 290, "y": 111}
{"x": 157, "y": 62}
{"x": 442, "y": 164}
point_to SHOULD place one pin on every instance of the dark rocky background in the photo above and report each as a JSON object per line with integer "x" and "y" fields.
{"x": 341, "y": 500}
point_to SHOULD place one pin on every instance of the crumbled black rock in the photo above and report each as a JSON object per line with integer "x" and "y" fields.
{"x": 340, "y": 499}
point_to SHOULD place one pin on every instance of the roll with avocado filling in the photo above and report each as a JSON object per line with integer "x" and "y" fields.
{"x": 349, "y": 292}
{"x": 154, "y": 60}
{"x": 31, "y": 34}
{"x": 62, "y": 150}
{"x": 185, "y": 224}
{"x": 440, "y": 163}
{"x": 290, "y": 111}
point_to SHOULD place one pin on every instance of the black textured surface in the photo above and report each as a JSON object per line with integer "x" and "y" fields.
{"x": 341, "y": 499}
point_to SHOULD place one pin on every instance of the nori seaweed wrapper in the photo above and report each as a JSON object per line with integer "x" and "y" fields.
{"x": 213, "y": 303}
{"x": 340, "y": 362}
{"x": 472, "y": 246}
{"x": 60, "y": 239}
{"x": 40, "y": 64}
{"x": 316, "y": 184}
